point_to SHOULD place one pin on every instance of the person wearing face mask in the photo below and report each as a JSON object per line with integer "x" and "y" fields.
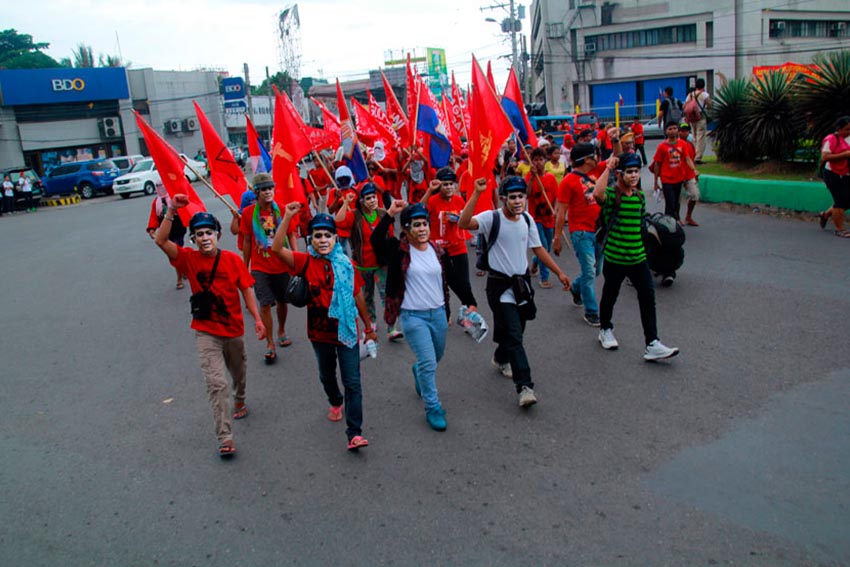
{"x": 623, "y": 208}
{"x": 219, "y": 276}
{"x": 509, "y": 292}
{"x": 418, "y": 295}
{"x": 347, "y": 190}
{"x": 362, "y": 222}
{"x": 334, "y": 301}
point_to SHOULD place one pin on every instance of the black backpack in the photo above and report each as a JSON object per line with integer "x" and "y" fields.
{"x": 483, "y": 261}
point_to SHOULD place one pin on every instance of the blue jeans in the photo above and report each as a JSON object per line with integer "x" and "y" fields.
{"x": 546, "y": 236}
{"x": 349, "y": 369}
{"x": 589, "y": 257}
{"x": 425, "y": 332}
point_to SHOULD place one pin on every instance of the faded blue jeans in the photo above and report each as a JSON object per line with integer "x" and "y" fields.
{"x": 425, "y": 332}
{"x": 589, "y": 257}
{"x": 546, "y": 236}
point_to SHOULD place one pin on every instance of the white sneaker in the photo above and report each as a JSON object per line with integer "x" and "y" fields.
{"x": 505, "y": 369}
{"x": 607, "y": 340}
{"x": 656, "y": 351}
{"x": 527, "y": 397}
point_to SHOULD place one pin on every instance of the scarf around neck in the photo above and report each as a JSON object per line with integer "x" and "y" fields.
{"x": 343, "y": 307}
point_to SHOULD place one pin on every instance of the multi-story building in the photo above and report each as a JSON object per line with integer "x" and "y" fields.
{"x": 593, "y": 53}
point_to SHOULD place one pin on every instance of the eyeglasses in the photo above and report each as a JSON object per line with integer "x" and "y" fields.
{"x": 202, "y": 232}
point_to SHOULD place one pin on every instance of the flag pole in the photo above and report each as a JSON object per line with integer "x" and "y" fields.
{"x": 207, "y": 183}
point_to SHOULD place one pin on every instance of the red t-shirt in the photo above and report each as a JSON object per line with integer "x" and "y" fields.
{"x": 320, "y": 281}
{"x": 577, "y": 193}
{"x": 262, "y": 259}
{"x": 637, "y": 130}
{"x": 691, "y": 152}
{"x": 537, "y": 204}
{"x": 369, "y": 260}
{"x": 343, "y": 229}
{"x": 444, "y": 230}
{"x": 671, "y": 159}
{"x": 231, "y": 275}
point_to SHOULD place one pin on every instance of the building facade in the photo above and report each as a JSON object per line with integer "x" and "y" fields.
{"x": 53, "y": 116}
{"x": 593, "y": 53}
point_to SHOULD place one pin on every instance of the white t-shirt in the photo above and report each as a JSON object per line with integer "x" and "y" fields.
{"x": 423, "y": 288}
{"x": 509, "y": 254}
{"x": 8, "y": 189}
{"x": 25, "y": 185}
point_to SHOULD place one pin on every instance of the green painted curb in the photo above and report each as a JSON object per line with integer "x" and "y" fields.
{"x": 810, "y": 196}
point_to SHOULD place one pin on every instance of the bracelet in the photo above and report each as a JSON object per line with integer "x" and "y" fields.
{"x": 168, "y": 218}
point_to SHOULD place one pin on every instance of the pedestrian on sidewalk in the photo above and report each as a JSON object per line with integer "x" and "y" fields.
{"x": 8, "y": 196}
{"x": 216, "y": 277}
{"x": 835, "y": 155}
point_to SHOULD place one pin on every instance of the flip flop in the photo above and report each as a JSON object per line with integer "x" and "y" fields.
{"x": 842, "y": 233}
{"x": 180, "y": 285}
{"x": 546, "y": 285}
{"x": 357, "y": 442}
{"x": 270, "y": 356}
{"x": 241, "y": 412}
{"x": 284, "y": 341}
{"x": 226, "y": 450}
{"x": 691, "y": 222}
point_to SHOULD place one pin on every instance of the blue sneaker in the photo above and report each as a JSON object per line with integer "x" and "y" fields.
{"x": 416, "y": 380}
{"x": 436, "y": 418}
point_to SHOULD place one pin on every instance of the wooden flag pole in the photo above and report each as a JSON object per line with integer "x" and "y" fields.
{"x": 207, "y": 183}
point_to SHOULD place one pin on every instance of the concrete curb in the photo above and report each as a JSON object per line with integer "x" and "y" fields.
{"x": 808, "y": 196}
{"x": 61, "y": 201}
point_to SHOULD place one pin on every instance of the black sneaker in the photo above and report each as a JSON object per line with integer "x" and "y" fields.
{"x": 667, "y": 281}
{"x": 576, "y": 297}
{"x": 591, "y": 319}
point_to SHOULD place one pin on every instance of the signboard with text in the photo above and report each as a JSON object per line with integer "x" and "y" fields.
{"x": 233, "y": 88}
{"x": 60, "y": 85}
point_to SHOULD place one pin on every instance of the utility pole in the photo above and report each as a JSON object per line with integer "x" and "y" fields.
{"x": 510, "y": 25}
{"x": 248, "y": 93}
{"x": 513, "y": 22}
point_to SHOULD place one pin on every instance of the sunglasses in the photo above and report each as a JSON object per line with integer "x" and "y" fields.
{"x": 265, "y": 189}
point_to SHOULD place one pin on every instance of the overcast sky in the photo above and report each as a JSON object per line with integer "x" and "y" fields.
{"x": 338, "y": 38}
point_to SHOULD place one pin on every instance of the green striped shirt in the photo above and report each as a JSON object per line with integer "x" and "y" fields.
{"x": 624, "y": 245}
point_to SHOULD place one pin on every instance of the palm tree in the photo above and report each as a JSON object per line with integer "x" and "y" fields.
{"x": 825, "y": 95}
{"x": 730, "y": 141}
{"x": 770, "y": 122}
{"x": 83, "y": 57}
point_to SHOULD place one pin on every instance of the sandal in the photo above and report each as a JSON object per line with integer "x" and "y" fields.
{"x": 843, "y": 233}
{"x": 357, "y": 442}
{"x": 824, "y": 218}
{"x": 180, "y": 285}
{"x": 284, "y": 341}
{"x": 546, "y": 285}
{"x": 479, "y": 273}
{"x": 270, "y": 356}
{"x": 226, "y": 449}
{"x": 691, "y": 222}
{"x": 241, "y": 412}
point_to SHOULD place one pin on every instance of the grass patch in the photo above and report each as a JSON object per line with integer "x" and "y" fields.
{"x": 766, "y": 170}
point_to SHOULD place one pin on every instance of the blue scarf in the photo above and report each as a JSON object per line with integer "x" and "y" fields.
{"x": 343, "y": 307}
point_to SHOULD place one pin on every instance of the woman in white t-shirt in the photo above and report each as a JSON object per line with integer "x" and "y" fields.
{"x": 8, "y": 196}
{"x": 417, "y": 292}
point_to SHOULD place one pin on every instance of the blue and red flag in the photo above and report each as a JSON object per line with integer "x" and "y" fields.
{"x": 261, "y": 161}
{"x": 351, "y": 153}
{"x": 514, "y": 108}
{"x": 428, "y": 122}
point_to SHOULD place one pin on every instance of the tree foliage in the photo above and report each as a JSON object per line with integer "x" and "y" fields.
{"x": 731, "y": 142}
{"x": 825, "y": 96}
{"x": 18, "y": 51}
{"x": 770, "y": 122}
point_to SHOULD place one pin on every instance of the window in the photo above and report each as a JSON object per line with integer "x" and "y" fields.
{"x": 709, "y": 34}
{"x": 644, "y": 38}
{"x": 780, "y": 29}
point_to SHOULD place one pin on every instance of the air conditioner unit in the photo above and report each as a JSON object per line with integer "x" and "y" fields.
{"x": 173, "y": 125}
{"x": 555, "y": 30}
{"x": 839, "y": 26}
{"x": 589, "y": 48}
{"x": 109, "y": 127}
{"x": 778, "y": 26}
{"x": 190, "y": 124}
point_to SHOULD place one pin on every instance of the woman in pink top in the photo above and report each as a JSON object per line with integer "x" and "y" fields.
{"x": 835, "y": 155}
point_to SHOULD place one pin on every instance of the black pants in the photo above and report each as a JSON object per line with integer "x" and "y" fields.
{"x": 672, "y": 192}
{"x": 509, "y": 326}
{"x": 640, "y": 148}
{"x": 8, "y": 204}
{"x": 457, "y": 276}
{"x": 641, "y": 278}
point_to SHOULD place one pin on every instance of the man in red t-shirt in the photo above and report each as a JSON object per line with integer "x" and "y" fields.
{"x": 217, "y": 276}
{"x": 258, "y": 226}
{"x": 541, "y": 202}
{"x": 637, "y": 130}
{"x": 691, "y": 184}
{"x": 577, "y": 205}
{"x": 444, "y": 207}
{"x": 334, "y": 299}
{"x": 670, "y": 166}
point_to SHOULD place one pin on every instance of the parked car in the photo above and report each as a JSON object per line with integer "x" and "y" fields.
{"x": 87, "y": 177}
{"x": 198, "y": 166}
{"x": 143, "y": 178}
{"x": 15, "y": 174}
{"x": 585, "y": 120}
{"x": 126, "y": 163}
{"x": 651, "y": 129}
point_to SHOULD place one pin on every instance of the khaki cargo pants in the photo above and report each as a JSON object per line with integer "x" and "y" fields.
{"x": 217, "y": 354}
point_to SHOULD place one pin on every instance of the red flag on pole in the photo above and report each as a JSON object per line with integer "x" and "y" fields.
{"x": 369, "y": 130}
{"x": 289, "y": 145}
{"x": 489, "y": 128}
{"x": 225, "y": 173}
{"x": 459, "y": 102}
{"x": 171, "y": 170}
{"x": 490, "y": 78}
{"x": 396, "y": 114}
{"x": 515, "y": 109}
{"x": 329, "y": 119}
{"x": 322, "y": 139}
{"x": 382, "y": 121}
{"x": 454, "y": 128}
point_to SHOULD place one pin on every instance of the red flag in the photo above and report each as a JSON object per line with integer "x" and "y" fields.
{"x": 225, "y": 173}
{"x": 171, "y": 170}
{"x": 261, "y": 161}
{"x": 289, "y": 145}
{"x": 396, "y": 114}
{"x": 459, "y": 102}
{"x": 515, "y": 109}
{"x": 489, "y": 128}
{"x": 369, "y": 130}
{"x": 452, "y": 125}
{"x": 351, "y": 153}
{"x": 411, "y": 87}
{"x": 490, "y": 78}
{"x": 322, "y": 139}
{"x": 382, "y": 121}
{"x": 329, "y": 119}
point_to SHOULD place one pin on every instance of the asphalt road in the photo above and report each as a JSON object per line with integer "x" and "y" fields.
{"x": 735, "y": 452}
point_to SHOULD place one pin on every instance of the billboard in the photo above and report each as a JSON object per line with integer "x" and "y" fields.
{"x": 233, "y": 88}
{"x": 438, "y": 72}
{"x": 61, "y": 85}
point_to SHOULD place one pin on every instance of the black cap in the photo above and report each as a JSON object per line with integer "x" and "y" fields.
{"x": 580, "y": 152}
{"x": 322, "y": 220}
{"x": 512, "y": 184}
{"x": 414, "y": 211}
{"x": 628, "y": 160}
{"x": 446, "y": 174}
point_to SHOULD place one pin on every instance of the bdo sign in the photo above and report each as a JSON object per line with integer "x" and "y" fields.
{"x": 233, "y": 88}
{"x": 60, "y": 85}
